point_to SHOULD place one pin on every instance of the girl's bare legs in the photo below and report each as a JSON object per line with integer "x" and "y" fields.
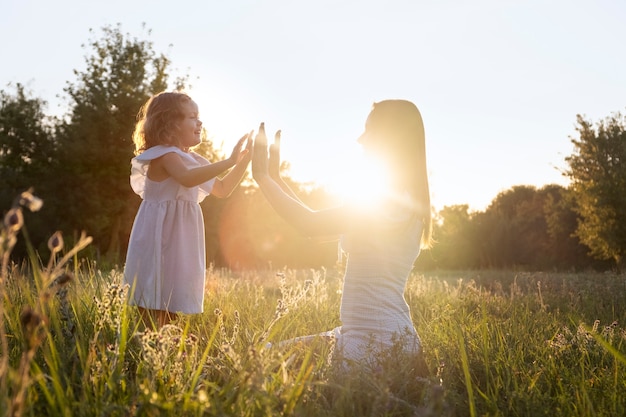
{"x": 165, "y": 317}
{"x": 156, "y": 318}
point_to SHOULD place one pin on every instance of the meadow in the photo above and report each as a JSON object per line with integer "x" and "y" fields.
{"x": 497, "y": 343}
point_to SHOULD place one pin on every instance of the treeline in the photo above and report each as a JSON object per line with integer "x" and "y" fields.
{"x": 79, "y": 165}
{"x": 524, "y": 227}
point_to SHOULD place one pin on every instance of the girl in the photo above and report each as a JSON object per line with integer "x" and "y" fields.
{"x": 165, "y": 262}
{"x": 382, "y": 240}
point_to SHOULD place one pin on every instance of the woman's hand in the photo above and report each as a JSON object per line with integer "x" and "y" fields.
{"x": 274, "y": 161}
{"x": 260, "y": 162}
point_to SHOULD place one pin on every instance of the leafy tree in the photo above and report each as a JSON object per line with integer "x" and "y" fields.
{"x": 515, "y": 228}
{"x": 564, "y": 248}
{"x": 96, "y": 139}
{"x": 501, "y": 232}
{"x": 455, "y": 246}
{"x": 597, "y": 170}
{"x": 522, "y": 227}
{"x": 27, "y": 149}
{"x": 26, "y": 141}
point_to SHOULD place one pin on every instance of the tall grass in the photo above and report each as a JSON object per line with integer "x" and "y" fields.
{"x": 498, "y": 343}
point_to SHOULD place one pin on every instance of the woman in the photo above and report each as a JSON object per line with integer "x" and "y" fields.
{"x": 382, "y": 241}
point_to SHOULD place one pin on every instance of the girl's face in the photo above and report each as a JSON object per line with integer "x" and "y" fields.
{"x": 191, "y": 126}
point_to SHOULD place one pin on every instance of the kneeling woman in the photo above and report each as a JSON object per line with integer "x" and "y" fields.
{"x": 381, "y": 240}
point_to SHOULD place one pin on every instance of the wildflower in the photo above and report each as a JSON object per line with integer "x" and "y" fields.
{"x": 220, "y": 322}
{"x": 55, "y": 243}
{"x": 235, "y": 332}
{"x": 110, "y": 307}
{"x": 594, "y": 329}
{"x": 332, "y": 346}
{"x": 281, "y": 308}
{"x": 168, "y": 355}
{"x": 230, "y": 353}
{"x": 559, "y": 342}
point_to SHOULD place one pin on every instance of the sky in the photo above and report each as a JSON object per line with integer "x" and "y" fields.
{"x": 499, "y": 83}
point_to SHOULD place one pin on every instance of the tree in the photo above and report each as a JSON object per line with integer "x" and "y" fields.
{"x": 96, "y": 139}
{"x": 27, "y": 152}
{"x": 455, "y": 246}
{"x": 564, "y": 248}
{"x": 514, "y": 228}
{"x": 26, "y": 141}
{"x": 597, "y": 170}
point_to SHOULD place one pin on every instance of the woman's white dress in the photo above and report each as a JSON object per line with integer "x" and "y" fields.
{"x": 166, "y": 259}
{"x": 374, "y": 313}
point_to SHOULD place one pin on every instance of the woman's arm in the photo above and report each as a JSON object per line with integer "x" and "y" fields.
{"x": 327, "y": 222}
{"x": 274, "y": 167}
{"x": 310, "y": 222}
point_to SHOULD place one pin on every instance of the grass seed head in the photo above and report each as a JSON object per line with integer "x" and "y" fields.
{"x": 55, "y": 243}
{"x": 14, "y": 220}
{"x": 29, "y": 200}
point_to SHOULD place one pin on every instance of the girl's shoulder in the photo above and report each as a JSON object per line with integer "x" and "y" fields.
{"x": 157, "y": 152}
{"x": 139, "y": 165}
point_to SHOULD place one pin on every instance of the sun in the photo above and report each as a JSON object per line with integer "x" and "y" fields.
{"x": 363, "y": 180}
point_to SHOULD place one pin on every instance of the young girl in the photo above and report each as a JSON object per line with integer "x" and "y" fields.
{"x": 382, "y": 241}
{"x": 165, "y": 262}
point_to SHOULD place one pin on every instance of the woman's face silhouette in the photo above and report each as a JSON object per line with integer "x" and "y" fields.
{"x": 371, "y": 139}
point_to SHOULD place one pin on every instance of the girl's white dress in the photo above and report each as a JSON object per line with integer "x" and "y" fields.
{"x": 166, "y": 259}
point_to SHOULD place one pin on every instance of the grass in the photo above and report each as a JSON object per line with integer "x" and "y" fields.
{"x": 498, "y": 343}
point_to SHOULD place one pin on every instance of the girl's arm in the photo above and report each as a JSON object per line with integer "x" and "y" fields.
{"x": 172, "y": 165}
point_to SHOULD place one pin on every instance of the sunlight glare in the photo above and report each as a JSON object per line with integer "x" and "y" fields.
{"x": 363, "y": 181}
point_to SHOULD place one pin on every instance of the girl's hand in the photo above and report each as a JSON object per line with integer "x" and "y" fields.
{"x": 245, "y": 155}
{"x": 274, "y": 160}
{"x": 237, "y": 154}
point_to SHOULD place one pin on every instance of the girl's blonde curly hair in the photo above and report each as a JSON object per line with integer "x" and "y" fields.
{"x": 158, "y": 121}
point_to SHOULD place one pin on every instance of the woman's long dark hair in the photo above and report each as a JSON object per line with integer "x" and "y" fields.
{"x": 398, "y": 125}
